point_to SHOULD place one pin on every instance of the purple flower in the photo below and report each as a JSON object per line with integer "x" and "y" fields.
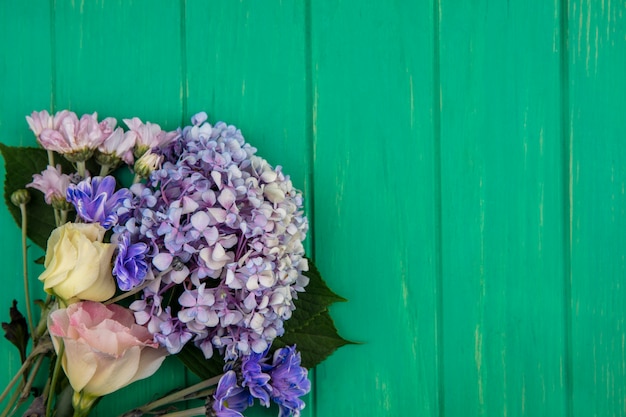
{"x": 96, "y": 200}
{"x": 130, "y": 265}
{"x": 255, "y": 379}
{"x": 230, "y": 400}
{"x": 288, "y": 381}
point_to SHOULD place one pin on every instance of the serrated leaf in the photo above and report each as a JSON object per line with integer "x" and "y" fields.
{"x": 315, "y": 339}
{"x": 318, "y": 287}
{"x": 21, "y": 163}
{"x": 310, "y": 327}
{"x": 194, "y": 360}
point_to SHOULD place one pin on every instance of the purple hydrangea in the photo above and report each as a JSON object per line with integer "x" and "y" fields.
{"x": 225, "y": 233}
{"x": 96, "y": 200}
{"x": 130, "y": 267}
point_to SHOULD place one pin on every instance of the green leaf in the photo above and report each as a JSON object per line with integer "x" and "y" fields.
{"x": 193, "y": 358}
{"x": 310, "y": 327}
{"x": 315, "y": 337}
{"x": 21, "y": 163}
{"x": 318, "y": 288}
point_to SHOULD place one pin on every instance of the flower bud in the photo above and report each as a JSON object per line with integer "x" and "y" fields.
{"x": 147, "y": 163}
{"x": 19, "y": 197}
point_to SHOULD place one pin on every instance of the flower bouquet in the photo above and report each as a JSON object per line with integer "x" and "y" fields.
{"x": 185, "y": 243}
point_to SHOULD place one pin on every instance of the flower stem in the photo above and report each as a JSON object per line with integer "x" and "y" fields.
{"x": 104, "y": 169}
{"x": 63, "y": 217}
{"x": 9, "y": 406}
{"x": 128, "y": 293}
{"x": 29, "y": 313}
{"x": 51, "y": 158}
{"x": 40, "y": 349}
{"x": 181, "y": 395}
{"x": 57, "y": 219}
{"x": 136, "y": 289}
{"x": 80, "y": 168}
{"x": 55, "y": 378}
{"x": 31, "y": 379}
{"x": 198, "y": 411}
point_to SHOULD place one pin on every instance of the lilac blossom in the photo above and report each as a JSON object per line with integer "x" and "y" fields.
{"x": 53, "y": 184}
{"x": 130, "y": 267}
{"x": 96, "y": 200}
{"x": 227, "y": 228}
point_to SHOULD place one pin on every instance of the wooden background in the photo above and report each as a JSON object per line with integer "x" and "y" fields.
{"x": 463, "y": 162}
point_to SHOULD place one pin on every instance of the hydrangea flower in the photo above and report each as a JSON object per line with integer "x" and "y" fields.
{"x": 225, "y": 227}
{"x": 96, "y": 200}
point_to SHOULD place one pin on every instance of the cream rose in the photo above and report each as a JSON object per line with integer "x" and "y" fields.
{"x": 78, "y": 263}
{"x": 105, "y": 349}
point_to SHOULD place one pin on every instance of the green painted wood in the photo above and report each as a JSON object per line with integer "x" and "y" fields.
{"x": 462, "y": 163}
{"x": 375, "y": 215}
{"x": 502, "y": 195}
{"x": 234, "y": 76}
{"x": 597, "y": 169}
{"x": 25, "y": 79}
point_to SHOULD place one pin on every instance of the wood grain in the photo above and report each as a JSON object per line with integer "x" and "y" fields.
{"x": 503, "y": 315}
{"x": 463, "y": 165}
{"x": 374, "y": 215}
{"x": 597, "y": 60}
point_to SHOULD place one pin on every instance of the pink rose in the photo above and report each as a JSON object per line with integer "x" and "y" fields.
{"x": 105, "y": 349}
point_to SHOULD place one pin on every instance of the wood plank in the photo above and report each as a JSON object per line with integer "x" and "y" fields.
{"x": 25, "y": 85}
{"x": 245, "y": 65}
{"x": 502, "y": 193}
{"x": 597, "y": 63}
{"x": 375, "y": 182}
{"x": 122, "y": 59}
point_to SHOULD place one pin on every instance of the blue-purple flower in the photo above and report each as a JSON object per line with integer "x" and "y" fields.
{"x": 96, "y": 200}
{"x": 288, "y": 381}
{"x": 130, "y": 268}
{"x": 255, "y": 379}
{"x": 230, "y": 400}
